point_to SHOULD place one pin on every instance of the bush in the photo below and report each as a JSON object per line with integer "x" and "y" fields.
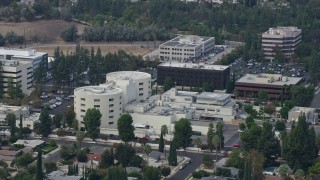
{"x": 18, "y": 146}
{"x": 82, "y": 156}
{"x": 207, "y": 160}
{"x": 134, "y": 174}
{"x": 204, "y": 146}
{"x": 70, "y": 34}
{"x": 5, "y": 142}
{"x": 200, "y": 174}
{"x": 223, "y": 172}
{"x": 26, "y": 130}
{"x": 13, "y": 139}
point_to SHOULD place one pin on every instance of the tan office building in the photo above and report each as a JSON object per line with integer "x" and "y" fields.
{"x": 285, "y": 38}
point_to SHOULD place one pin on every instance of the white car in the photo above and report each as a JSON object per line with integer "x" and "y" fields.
{"x": 181, "y": 150}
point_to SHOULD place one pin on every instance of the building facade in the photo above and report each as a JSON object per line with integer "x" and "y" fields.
{"x": 20, "y": 72}
{"x": 312, "y": 114}
{"x": 107, "y": 98}
{"x": 135, "y": 85}
{"x": 186, "y": 47}
{"x": 194, "y": 75}
{"x": 285, "y": 38}
{"x": 25, "y": 55}
{"x": 273, "y": 84}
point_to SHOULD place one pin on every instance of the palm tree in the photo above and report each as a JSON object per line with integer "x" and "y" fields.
{"x": 80, "y": 137}
{"x": 198, "y": 143}
{"x": 216, "y": 142}
{"x": 147, "y": 150}
{"x": 283, "y": 170}
{"x": 164, "y": 132}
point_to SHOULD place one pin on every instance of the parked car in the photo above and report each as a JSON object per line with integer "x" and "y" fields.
{"x": 236, "y": 145}
{"x": 182, "y": 166}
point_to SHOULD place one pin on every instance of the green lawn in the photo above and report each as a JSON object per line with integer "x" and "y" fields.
{"x": 47, "y": 148}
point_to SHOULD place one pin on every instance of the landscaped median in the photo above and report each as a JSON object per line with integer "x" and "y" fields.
{"x": 46, "y": 148}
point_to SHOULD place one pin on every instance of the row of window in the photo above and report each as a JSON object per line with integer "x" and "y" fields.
{"x": 98, "y": 100}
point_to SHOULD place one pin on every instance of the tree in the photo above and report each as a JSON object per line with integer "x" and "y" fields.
{"x": 253, "y": 166}
{"x": 182, "y": 133}
{"x": 299, "y": 174}
{"x": 219, "y": 132}
{"x": 82, "y": 156}
{"x": 57, "y": 120}
{"x": 250, "y": 138}
{"x": 18, "y": 91}
{"x": 250, "y": 122}
{"x": 280, "y": 126}
{"x": 70, "y": 116}
{"x": 11, "y": 88}
{"x": 210, "y": 135}
{"x": 70, "y": 34}
{"x": 11, "y": 120}
{"x": 268, "y": 144}
{"x": 45, "y": 123}
{"x": 172, "y": 158}
{"x": 123, "y": 154}
{"x": 50, "y": 167}
{"x": 116, "y": 173}
{"x": 198, "y": 143}
{"x": 39, "y": 175}
{"x": 80, "y": 137}
{"x": 230, "y": 86}
{"x": 165, "y": 171}
{"x": 161, "y": 143}
{"x": 164, "y": 132}
{"x": 168, "y": 84}
{"x": 235, "y": 159}
{"x": 301, "y": 95}
{"x": 207, "y": 87}
{"x": 207, "y": 160}
{"x": 107, "y": 158}
{"x": 151, "y": 173}
{"x": 92, "y": 122}
{"x": 68, "y": 151}
{"x": 136, "y": 161}
{"x": 284, "y": 112}
{"x": 270, "y": 109}
{"x": 147, "y": 150}
{"x": 263, "y": 96}
{"x": 216, "y": 141}
{"x": 299, "y": 146}
{"x": 125, "y": 128}
{"x": 24, "y": 160}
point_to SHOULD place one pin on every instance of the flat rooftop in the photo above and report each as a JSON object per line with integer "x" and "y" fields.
{"x": 286, "y": 31}
{"x": 212, "y": 95}
{"x": 21, "y": 53}
{"x": 187, "y": 41}
{"x": 269, "y": 79}
{"x": 98, "y": 90}
{"x": 126, "y": 75}
{"x": 302, "y": 109}
{"x": 177, "y": 64}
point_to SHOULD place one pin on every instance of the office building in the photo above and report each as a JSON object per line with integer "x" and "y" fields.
{"x": 285, "y": 38}
{"x": 107, "y": 98}
{"x": 186, "y": 47}
{"x": 20, "y": 71}
{"x": 274, "y": 84}
{"x": 312, "y": 114}
{"x": 25, "y": 55}
{"x": 135, "y": 85}
{"x": 193, "y": 75}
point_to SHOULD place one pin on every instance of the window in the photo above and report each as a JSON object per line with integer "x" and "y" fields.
{"x": 83, "y": 99}
{"x": 82, "y": 116}
{"x": 140, "y": 89}
{"x": 111, "y": 99}
{"x": 96, "y": 106}
{"x": 110, "y": 111}
{"x": 82, "y": 105}
{"x": 141, "y": 94}
{"x": 82, "y": 110}
{"x": 111, "y": 105}
{"x": 96, "y": 100}
{"x": 111, "y": 117}
{"x": 140, "y": 84}
{"x": 110, "y": 123}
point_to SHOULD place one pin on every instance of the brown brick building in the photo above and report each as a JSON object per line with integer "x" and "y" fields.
{"x": 274, "y": 84}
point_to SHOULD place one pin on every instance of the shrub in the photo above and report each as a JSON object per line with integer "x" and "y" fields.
{"x": 82, "y": 156}
{"x": 200, "y": 174}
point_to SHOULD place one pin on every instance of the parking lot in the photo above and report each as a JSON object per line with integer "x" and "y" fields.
{"x": 240, "y": 68}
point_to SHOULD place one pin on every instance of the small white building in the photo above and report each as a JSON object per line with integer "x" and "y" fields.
{"x": 312, "y": 114}
{"x": 186, "y": 47}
